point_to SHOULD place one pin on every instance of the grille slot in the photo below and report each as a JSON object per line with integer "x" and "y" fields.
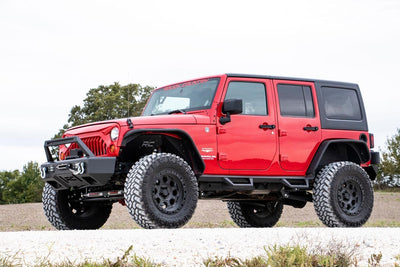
{"x": 96, "y": 144}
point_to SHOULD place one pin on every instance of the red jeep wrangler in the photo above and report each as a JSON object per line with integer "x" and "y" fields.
{"x": 257, "y": 142}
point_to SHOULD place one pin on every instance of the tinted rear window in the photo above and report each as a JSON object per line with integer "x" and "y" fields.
{"x": 342, "y": 104}
{"x": 295, "y": 100}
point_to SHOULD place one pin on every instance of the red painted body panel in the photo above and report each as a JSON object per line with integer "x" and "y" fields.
{"x": 239, "y": 147}
{"x": 242, "y": 145}
{"x": 296, "y": 146}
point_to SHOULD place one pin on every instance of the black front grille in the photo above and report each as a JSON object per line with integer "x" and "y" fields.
{"x": 96, "y": 144}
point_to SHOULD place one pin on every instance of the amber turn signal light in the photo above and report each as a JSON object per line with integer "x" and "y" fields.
{"x": 112, "y": 149}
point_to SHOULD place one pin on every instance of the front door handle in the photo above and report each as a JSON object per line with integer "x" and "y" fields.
{"x": 310, "y": 128}
{"x": 266, "y": 126}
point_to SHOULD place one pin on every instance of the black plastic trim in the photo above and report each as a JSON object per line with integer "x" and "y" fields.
{"x": 63, "y": 141}
{"x": 372, "y": 171}
{"x": 188, "y": 141}
{"x": 61, "y": 175}
{"x": 375, "y": 157}
{"x": 229, "y": 180}
{"x": 357, "y": 145}
{"x": 271, "y": 77}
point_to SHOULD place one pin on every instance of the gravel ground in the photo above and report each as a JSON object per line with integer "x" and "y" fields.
{"x": 208, "y": 214}
{"x": 189, "y": 247}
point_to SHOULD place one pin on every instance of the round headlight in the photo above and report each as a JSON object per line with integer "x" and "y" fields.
{"x": 114, "y": 133}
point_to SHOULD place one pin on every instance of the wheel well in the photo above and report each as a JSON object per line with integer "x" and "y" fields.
{"x": 139, "y": 143}
{"x": 338, "y": 150}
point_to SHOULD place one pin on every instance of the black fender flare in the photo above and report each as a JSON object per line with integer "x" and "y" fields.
{"x": 197, "y": 162}
{"x": 359, "y": 147}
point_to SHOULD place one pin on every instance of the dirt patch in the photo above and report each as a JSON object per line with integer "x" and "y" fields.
{"x": 209, "y": 213}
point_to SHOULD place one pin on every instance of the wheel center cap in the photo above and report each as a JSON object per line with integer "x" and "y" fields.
{"x": 164, "y": 192}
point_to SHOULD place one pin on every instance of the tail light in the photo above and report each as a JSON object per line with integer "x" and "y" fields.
{"x": 371, "y": 140}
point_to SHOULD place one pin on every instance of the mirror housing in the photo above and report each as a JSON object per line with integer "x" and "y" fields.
{"x": 230, "y": 107}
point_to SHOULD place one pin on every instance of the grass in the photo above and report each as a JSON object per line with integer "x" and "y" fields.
{"x": 386, "y": 189}
{"x": 221, "y": 224}
{"x": 14, "y": 227}
{"x": 397, "y": 263}
{"x": 124, "y": 261}
{"x": 277, "y": 256}
{"x": 313, "y": 223}
{"x": 333, "y": 254}
{"x": 383, "y": 224}
{"x": 235, "y": 262}
{"x": 117, "y": 226}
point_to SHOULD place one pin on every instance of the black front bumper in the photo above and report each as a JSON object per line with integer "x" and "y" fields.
{"x": 86, "y": 171}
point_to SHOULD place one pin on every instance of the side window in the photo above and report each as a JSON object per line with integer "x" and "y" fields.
{"x": 295, "y": 100}
{"x": 252, "y": 94}
{"x": 340, "y": 103}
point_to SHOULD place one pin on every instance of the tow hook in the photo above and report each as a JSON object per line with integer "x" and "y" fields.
{"x": 78, "y": 168}
{"x": 43, "y": 172}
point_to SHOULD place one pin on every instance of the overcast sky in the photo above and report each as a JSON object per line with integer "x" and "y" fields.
{"x": 53, "y": 52}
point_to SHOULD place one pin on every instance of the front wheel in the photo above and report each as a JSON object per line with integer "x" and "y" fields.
{"x": 161, "y": 191}
{"x": 255, "y": 214}
{"x": 343, "y": 195}
{"x": 65, "y": 212}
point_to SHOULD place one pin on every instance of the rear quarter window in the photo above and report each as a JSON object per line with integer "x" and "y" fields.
{"x": 341, "y": 104}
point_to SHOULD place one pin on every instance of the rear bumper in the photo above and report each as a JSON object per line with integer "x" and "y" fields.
{"x": 372, "y": 169}
{"x": 85, "y": 171}
{"x": 375, "y": 157}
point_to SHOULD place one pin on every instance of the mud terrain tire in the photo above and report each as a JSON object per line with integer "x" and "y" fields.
{"x": 65, "y": 214}
{"x": 248, "y": 214}
{"x": 161, "y": 191}
{"x": 343, "y": 195}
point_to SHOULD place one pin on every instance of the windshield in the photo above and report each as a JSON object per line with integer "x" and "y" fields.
{"x": 180, "y": 98}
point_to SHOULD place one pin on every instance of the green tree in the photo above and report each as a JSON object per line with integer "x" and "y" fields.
{"x": 389, "y": 169}
{"x": 108, "y": 102}
{"x": 5, "y": 178}
{"x": 24, "y": 187}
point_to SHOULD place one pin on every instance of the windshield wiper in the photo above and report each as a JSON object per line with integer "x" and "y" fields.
{"x": 177, "y": 111}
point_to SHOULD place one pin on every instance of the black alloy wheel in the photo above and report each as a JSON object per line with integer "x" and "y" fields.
{"x": 161, "y": 191}
{"x": 343, "y": 195}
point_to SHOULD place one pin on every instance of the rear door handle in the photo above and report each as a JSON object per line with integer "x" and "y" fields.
{"x": 266, "y": 126}
{"x": 310, "y": 128}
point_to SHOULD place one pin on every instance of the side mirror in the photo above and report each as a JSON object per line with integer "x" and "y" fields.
{"x": 230, "y": 107}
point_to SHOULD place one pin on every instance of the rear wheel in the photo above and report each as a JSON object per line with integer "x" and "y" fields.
{"x": 343, "y": 195}
{"x": 255, "y": 214}
{"x": 161, "y": 191}
{"x": 65, "y": 212}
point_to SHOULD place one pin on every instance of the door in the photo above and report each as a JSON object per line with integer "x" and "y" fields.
{"x": 248, "y": 141}
{"x": 299, "y": 128}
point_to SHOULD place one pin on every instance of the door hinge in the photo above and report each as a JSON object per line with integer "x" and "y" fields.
{"x": 221, "y": 130}
{"x": 282, "y": 133}
{"x": 222, "y": 156}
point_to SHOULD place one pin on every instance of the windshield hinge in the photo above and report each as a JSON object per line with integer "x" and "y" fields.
{"x": 129, "y": 123}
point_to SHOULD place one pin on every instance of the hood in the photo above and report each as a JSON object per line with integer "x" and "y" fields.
{"x": 167, "y": 119}
{"x": 172, "y": 119}
{"x": 92, "y": 127}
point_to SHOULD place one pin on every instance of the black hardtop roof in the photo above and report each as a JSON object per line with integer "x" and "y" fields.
{"x": 287, "y": 78}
